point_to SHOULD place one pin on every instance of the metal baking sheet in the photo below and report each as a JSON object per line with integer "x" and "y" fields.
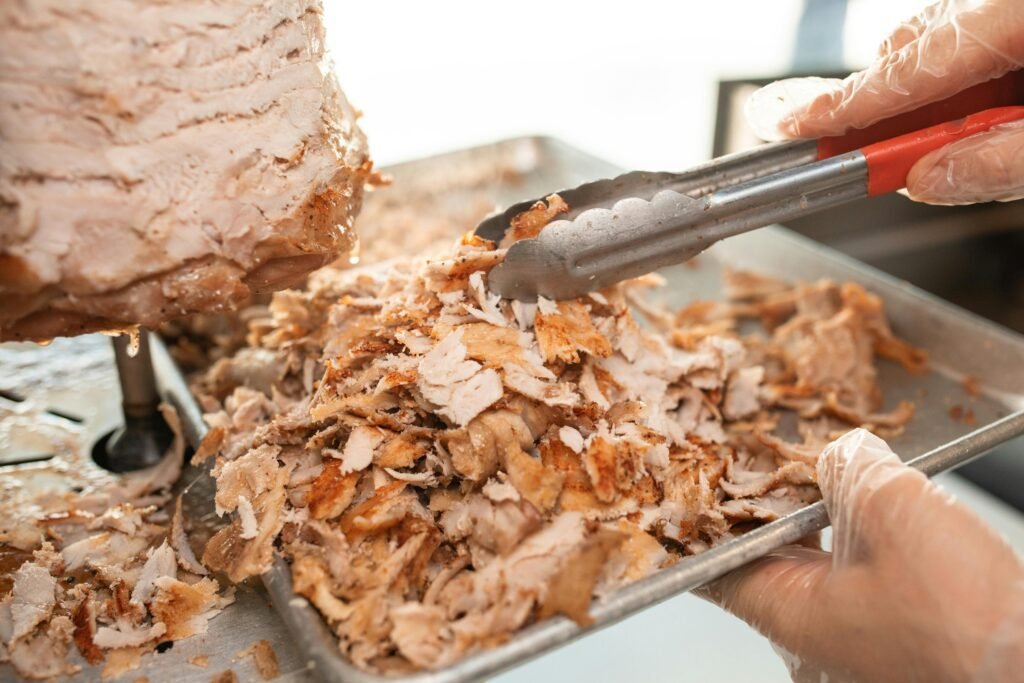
{"x": 66, "y": 395}
{"x": 961, "y": 346}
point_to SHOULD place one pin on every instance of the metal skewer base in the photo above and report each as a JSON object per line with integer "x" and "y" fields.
{"x": 144, "y": 438}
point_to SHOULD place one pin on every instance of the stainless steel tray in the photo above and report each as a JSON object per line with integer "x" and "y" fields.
{"x": 961, "y": 345}
{"x": 55, "y": 403}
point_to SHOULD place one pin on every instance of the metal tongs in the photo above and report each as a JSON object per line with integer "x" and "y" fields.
{"x": 631, "y": 225}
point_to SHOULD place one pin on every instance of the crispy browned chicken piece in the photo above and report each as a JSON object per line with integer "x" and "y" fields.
{"x": 444, "y": 467}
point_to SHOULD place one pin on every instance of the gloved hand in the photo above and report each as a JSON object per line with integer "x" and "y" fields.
{"x": 950, "y": 46}
{"x": 917, "y": 588}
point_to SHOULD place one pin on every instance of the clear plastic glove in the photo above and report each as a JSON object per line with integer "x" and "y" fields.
{"x": 917, "y": 588}
{"x": 950, "y": 46}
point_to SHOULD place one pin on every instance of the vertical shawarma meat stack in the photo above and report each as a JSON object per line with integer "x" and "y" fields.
{"x": 161, "y": 159}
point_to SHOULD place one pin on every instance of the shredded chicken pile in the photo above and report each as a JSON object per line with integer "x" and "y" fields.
{"x": 108, "y": 571}
{"x": 443, "y": 467}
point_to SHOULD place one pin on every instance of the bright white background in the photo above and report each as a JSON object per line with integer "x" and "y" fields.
{"x": 631, "y": 81}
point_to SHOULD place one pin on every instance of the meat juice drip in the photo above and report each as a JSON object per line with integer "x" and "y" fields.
{"x": 353, "y": 256}
{"x": 134, "y": 335}
{"x": 134, "y": 338}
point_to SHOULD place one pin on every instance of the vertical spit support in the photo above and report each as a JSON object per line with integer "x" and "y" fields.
{"x": 145, "y": 436}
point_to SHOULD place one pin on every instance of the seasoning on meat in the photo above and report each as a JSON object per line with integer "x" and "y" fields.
{"x": 475, "y": 464}
{"x": 443, "y": 467}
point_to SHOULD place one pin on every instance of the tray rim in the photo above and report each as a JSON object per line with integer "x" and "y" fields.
{"x": 318, "y": 643}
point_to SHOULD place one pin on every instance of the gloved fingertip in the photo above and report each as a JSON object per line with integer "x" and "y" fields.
{"x": 865, "y": 486}
{"x": 985, "y": 167}
{"x": 791, "y": 108}
{"x": 930, "y": 181}
{"x": 859, "y": 444}
{"x": 768, "y": 113}
{"x": 848, "y": 461}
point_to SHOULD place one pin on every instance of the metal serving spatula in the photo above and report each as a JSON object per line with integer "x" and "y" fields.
{"x": 638, "y": 222}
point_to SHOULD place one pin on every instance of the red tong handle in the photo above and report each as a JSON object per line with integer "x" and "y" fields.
{"x": 894, "y": 145}
{"x": 890, "y": 161}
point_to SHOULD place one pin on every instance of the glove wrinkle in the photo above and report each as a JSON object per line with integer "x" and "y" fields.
{"x": 988, "y": 166}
